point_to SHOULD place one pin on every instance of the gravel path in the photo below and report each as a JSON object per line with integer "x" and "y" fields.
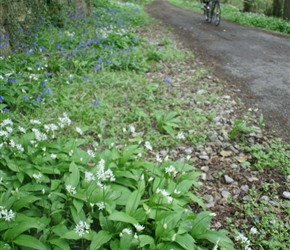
{"x": 221, "y": 160}
{"x": 256, "y": 63}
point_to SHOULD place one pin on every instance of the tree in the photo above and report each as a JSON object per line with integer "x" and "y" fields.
{"x": 286, "y": 12}
{"x": 277, "y": 8}
{"x": 248, "y": 5}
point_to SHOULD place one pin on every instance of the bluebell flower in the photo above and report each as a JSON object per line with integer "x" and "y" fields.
{"x": 168, "y": 79}
{"x": 85, "y": 78}
{"x": 39, "y": 98}
{"x": 97, "y": 67}
{"x": 26, "y": 98}
{"x": 1, "y": 98}
{"x": 12, "y": 80}
{"x": 48, "y": 74}
{"x": 96, "y": 103}
{"x": 43, "y": 83}
{"x": 5, "y": 110}
{"x": 47, "y": 91}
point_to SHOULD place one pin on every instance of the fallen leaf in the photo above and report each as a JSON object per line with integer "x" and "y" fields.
{"x": 225, "y": 153}
{"x": 242, "y": 158}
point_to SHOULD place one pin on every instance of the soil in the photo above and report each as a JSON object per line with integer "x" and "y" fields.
{"x": 254, "y": 62}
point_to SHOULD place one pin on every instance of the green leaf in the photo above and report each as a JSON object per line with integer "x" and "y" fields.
{"x": 146, "y": 240}
{"x": 62, "y": 244}
{"x": 26, "y": 223}
{"x": 196, "y": 199}
{"x": 71, "y": 235}
{"x": 213, "y": 237}
{"x": 24, "y": 201}
{"x": 29, "y": 241}
{"x": 123, "y": 217}
{"x": 201, "y": 224}
{"x": 59, "y": 230}
{"x": 186, "y": 241}
{"x": 133, "y": 202}
{"x": 100, "y": 239}
{"x": 74, "y": 177}
{"x": 126, "y": 241}
{"x": 78, "y": 204}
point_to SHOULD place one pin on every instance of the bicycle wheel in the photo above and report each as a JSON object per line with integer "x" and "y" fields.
{"x": 209, "y": 14}
{"x": 205, "y": 12}
{"x": 217, "y": 14}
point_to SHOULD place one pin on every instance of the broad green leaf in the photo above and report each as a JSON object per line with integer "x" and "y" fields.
{"x": 100, "y": 239}
{"x": 126, "y": 241}
{"x": 146, "y": 240}
{"x": 186, "y": 241}
{"x": 196, "y": 199}
{"x": 213, "y": 237}
{"x": 71, "y": 235}
{"x": 24, "y": 201}
{"x": 201, "y": 224}
{"x": 123, "y": 217}
{"x": 78, "y": 204}
{"x": 59, "y": 230}
{"x": 29, "y": 241}
{"x": 133, "y": 202}
{"x": 25, "y": 224}
{"x": 62, "y": 244}
{"x": 74, "y": 177}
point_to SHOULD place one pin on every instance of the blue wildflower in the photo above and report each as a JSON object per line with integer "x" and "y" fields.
{"x": 47, "y": 91}
{"x": 96, "y": 103}
{"x": 85, "y": 78}
{"x": 168, "y": 79}
{"x": 1, "y": 98}
{"x": 26, "y": 98}
{"x": 39, "y": 98}
{"x": 5, "y": 110}
{"x": 12, "y": 80}
{"x": 43, "y": 83}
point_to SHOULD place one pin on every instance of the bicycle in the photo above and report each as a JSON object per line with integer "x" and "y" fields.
{"x": 210, "y": 9}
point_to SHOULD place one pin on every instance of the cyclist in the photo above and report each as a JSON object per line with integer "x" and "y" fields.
{"x": 204, "y": 4}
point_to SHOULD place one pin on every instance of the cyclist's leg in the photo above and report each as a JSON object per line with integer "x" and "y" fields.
{"x": 217, "y": 14}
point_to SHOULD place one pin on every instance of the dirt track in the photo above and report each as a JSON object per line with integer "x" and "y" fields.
{"x": 255, "y": 63}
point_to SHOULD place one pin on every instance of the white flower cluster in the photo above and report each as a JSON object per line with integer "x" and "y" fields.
{"x": 39, "y": 136}
{"x": 148, "y": 145}
{"x": 244, "y": 240}
{"x": 165, "y": 194}
{"x": 100, "y": 205}
{"x": 64, "y": 121}
{"x": 171, "y": 169}
{"x": 101, "y": 175}
{"x": 71, "y": 189}
{"x": 82, "y": 228}
{"x": 6, "y": 215}
{"x": 104, "y": 175}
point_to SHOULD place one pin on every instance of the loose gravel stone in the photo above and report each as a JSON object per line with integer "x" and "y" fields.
{"x": 247, "y": 198}
{"x": 188, "y": 151}
{"x": 274, "y": 203}
{"x": 225, "y": 194}
{"x": 245, "y": 188}
{"x": 253, "y": 179}
{"x": 205, "y": 168}
{"x": 286, "y": 195}
{"x": 228, "y": 179}
{"x": 233, "y": 166}
{"x": 265, "y": 198}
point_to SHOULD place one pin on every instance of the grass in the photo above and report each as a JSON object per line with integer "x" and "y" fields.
{"x": 92, "y": 122}
{"x": 232, "y": 12}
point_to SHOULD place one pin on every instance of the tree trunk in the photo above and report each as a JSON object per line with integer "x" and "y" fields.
{"x": 286, "y": 12}
{"x": 277, "y": 8}
{"x": 247, "y": 5}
